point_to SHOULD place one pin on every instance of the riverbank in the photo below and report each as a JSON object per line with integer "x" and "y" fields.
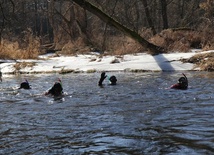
{"x": 94, "y": 62}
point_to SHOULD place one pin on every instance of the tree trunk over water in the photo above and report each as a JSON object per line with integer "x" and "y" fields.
{"x": 153, "y": 49}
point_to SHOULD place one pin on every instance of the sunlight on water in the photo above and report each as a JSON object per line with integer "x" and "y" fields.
{"x": 137, "y": 116}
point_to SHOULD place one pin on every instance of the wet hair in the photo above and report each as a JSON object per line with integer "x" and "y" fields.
{"x": 24, "y": 85}
{"x": 113, "y": 80}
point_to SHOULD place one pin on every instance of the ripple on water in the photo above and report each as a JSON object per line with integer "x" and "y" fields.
{"x": 137, "y": 116}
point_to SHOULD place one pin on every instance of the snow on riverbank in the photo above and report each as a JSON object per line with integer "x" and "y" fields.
{"x": 95, "y": 63}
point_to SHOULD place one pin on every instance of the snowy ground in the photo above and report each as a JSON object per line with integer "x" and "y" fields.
{"x": 94, "y": 63}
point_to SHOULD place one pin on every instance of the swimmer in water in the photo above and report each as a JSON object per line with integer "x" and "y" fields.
{"x": 182, "y": 83}
{"x": 112, "y": 79}
{"x": 56, "y": 89}
{"x": 25, "y": 85}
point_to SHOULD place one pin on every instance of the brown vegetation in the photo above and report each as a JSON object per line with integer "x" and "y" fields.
{"x": 25, "y": 47}
{"x": 204, "y": 61}
{"x": 182, "y": 40}
{"x": 21, "y": 65}
{"x": 29, "y": 25}
{"x": 171, "y": 40}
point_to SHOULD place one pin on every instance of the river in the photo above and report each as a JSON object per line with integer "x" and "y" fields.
{"x": 137, "y": 116}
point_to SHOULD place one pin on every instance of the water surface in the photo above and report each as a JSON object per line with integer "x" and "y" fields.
{"x": 137, "y": 116}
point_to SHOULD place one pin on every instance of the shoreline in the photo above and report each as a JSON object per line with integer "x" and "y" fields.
{"x": 93, "y": 62}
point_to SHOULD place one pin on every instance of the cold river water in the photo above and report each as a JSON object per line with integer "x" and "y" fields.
{"x": 137, "y": 116}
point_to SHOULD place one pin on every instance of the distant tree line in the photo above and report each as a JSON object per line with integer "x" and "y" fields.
{"x": 63, "y": 21}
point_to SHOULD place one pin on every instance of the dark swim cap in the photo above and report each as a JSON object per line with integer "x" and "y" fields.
{"x": 113, "y": 80}
{"x": 182, "y": 80}
{"x": 24, "y": 85}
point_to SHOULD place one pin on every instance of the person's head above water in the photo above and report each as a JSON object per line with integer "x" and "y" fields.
{"x": 182, "y": 80}
{"x": 25, "y": 85}
{"x": 182, "y": 83}
{"x": 112, "y": 79}
{"x": 56, "y": 89}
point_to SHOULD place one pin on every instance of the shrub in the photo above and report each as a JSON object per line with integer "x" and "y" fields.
{"x": 24, "y": 48}
{"x": 182, "y": 40}
{"x": 204, "y": 61}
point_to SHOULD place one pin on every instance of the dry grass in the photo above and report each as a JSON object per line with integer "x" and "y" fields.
{"x": 113, "y": 42}
{"x": 204, "y": 61}
{"x": 113, "y": 45}
{"x": 118, "y": 45}
{"x": 21, "y": 65}
{"x": 73, "y": 48}
{"x": 126, "y": 46}
{"x": 207, "y": 37}
{"x": 182, "y": 40}
{"x": 24, "y": 48}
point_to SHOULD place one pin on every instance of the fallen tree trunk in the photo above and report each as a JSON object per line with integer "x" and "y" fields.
{"x": 153, "y": 49}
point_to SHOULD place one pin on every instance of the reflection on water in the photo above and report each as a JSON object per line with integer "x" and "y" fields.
{"x": 137, "y": 116}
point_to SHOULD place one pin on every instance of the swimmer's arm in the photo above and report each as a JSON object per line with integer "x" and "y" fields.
{"x": 102, "y": 78}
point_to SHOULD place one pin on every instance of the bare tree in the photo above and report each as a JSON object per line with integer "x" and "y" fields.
{"x": 151, "y": 47}
{"x": 5, "y": 8}
{"x": 164, "y": 13}
{"x": 148, "y": 16}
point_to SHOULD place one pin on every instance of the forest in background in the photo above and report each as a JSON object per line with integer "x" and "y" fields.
{"x": 32, "y": 27}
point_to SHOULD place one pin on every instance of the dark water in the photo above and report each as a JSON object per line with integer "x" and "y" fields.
{"x": 137, "y": 116}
